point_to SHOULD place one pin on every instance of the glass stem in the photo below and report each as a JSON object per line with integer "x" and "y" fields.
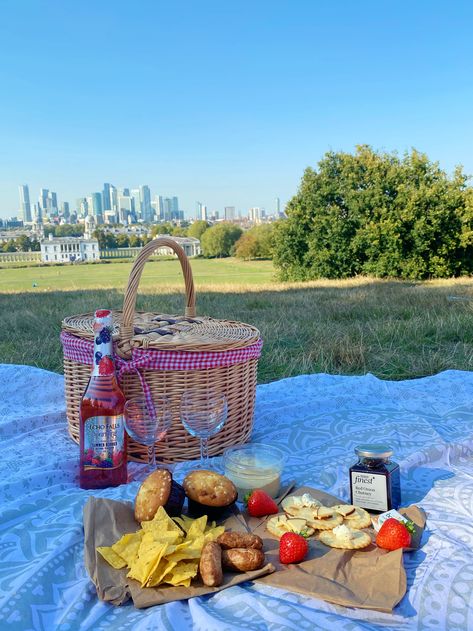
{"x": 204, "y": 451}
{"x": 151, "y": 457}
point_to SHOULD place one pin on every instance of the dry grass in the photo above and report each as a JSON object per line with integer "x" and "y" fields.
{"x": 394, "y": 329}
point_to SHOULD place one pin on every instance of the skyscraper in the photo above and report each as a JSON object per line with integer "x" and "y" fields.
{"x": 146, "y": 210}
{"x": 65, "y": 210}
{"x": 43, "y": 199}
{"x": 124, "y": 208}
{"x": 106, "y": 196}
{"x": 175, "y": 208}
{"x": 136, "y": 202}
{"x": 25, "y": 206}
{"x": 229, "y": 213}
{"x": 97, "y": 207}
{"x": 200, "y": 211}
{"x": 52, "y": 203}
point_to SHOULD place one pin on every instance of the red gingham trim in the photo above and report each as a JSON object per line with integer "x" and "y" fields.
{"x": 82, "y": 351}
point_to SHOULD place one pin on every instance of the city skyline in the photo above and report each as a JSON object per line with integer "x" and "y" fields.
{"x": 125, "y": 205}
{"x": 235, "y": 120}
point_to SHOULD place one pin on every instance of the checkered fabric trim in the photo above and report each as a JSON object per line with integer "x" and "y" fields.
{"x": 82, "y": 351}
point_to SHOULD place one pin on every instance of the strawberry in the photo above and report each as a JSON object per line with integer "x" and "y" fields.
{"x": 106, "y": 366}
{"x": 292, "y": 548}
{"x": 260, "y": 503}
{"x": 393, "y": 534}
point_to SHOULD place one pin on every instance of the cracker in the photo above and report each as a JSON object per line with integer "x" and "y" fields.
{"x": 359, "y": 519}
{"x": 359, "y": 540}
{"x": 326, "y": 524}
{"x": 299, "y": 511}
{"x": 344, "y": 509}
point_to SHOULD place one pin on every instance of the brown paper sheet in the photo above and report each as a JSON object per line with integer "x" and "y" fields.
{"x": 370, "y": 578}
{"x": 105, "y": 521}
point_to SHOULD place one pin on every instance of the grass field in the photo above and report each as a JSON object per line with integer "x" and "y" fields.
{"x": 115, "y": 275}
{"x": 394, "y": 329}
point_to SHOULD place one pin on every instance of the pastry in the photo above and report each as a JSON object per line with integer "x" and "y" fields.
{"x": 210, "y": 564}
{"x": 345, "y": 538}
{"x": 209, "y": 493}
{"x": 242, "y": 559}
{"x": 158, "y": 489}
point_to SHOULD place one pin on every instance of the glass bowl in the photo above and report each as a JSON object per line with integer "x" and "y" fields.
{"x": 254, "y": 466}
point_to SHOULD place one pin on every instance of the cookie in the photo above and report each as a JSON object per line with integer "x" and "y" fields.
{"x": 158, "y": 489}
{"x": 344, "y": 509}
{"x": 208, "y": 492}
{"x": 353, "y": 540}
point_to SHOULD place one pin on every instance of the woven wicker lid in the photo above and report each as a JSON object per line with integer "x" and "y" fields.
{"x": 187, "y": 332}
{"x": 172, "y": 332}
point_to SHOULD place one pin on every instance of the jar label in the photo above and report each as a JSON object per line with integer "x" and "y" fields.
{"x": 104, "y": 442}
{"x": 369, "y": 491}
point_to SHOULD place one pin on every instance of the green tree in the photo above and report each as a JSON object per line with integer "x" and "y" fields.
{"x": 23, "y": 243}
{"x": 257, "y": 242}
{"x": 179, "y": 231}
{"x": 162, "y": 228}
{"x": 376, "y": 213}
{"x": 135, "y": 241}
{"x": 197, "y": 229}
{"x": 9, "y": 246}
{"x": 122, "y": 241}
{"x": 219, "y": 240}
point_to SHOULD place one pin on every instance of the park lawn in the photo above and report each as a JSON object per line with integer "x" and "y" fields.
{"x": 393, "y": 329}
{"x": 115, "y": 275}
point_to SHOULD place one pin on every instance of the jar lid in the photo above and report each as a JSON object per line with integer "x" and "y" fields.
{"x": 373, "y": 451}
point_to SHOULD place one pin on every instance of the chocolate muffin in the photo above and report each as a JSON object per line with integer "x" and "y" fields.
{"x": 209, "y": 493}
{"x": 158, "y": 489}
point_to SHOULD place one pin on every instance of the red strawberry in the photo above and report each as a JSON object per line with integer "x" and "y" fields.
{"x": 259, "y": 504}
{"x": 292, "y": 548}
{"x": 106, "y": 366}
{"x": 393, "y": 535}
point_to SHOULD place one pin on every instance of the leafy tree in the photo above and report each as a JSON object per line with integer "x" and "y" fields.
{"x": 257, "y": 242}
{"x": 135, "y": 241}
{"x": 219, "y": 240}
{"x": 122, "y": 241}
{"x": 179, "y": 231}
{"x": 9, "y": 246}
{"x": 23, "y": 243}
{"x": 376, "y": 213}
{"x": 197, "y": 229}
{"x": 162, "y": 228}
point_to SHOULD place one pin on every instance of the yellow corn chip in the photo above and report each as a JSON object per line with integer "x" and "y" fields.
{"x": 164, "y": 550}
{"x": 182, "y": 574}
{"x": 114, "y": 559}
{"x": 127, "y": 547}
{"x": 197, "y": 527}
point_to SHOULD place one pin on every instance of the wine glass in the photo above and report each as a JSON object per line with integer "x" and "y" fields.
{"x": 148, "y": 424}
{"x": 203, "y": 414}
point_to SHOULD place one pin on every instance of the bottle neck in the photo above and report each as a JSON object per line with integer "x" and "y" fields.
{"x": 103, "y": 350}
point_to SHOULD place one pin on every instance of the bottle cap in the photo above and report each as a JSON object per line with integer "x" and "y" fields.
{"x": 374, "y": 451}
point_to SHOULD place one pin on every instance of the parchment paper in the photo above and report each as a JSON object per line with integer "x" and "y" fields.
{"x": 370, "y": 578}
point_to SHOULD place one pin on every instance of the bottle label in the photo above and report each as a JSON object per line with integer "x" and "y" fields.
{"x": 369, "y": 490}
{"x": 104, "y": 442}
{"x": 103, "y": 345}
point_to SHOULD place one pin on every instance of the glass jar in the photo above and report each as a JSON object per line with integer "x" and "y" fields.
{"x": 375, "y": 483}
{"x": 254, "y": 466}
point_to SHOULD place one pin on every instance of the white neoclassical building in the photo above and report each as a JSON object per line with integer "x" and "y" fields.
{"x": 69, "y": 249}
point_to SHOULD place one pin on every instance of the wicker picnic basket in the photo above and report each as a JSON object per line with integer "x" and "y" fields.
{"x": 159, "y": 354}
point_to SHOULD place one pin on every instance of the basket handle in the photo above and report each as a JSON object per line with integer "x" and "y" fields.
{"x": 129, "y": 303}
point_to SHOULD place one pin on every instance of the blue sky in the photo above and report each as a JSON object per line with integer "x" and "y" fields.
{"x": 224, "y": 102}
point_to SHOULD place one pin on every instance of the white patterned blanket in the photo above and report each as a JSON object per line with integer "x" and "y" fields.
{"x": 317, "y": 420}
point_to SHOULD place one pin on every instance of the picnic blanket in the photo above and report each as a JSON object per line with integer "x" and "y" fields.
{"x": 317, "y": 420}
